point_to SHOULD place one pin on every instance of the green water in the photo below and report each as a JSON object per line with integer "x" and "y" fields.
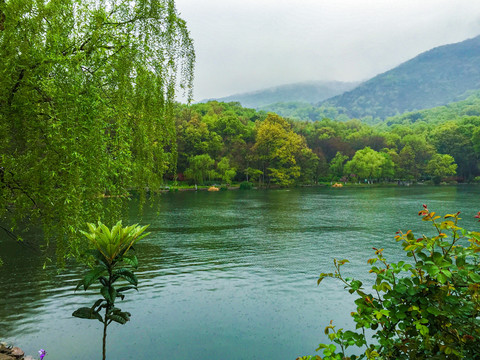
{"x": 225, "y": 275}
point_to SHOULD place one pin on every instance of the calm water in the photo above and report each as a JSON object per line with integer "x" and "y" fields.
{"x": 226, "y": 275}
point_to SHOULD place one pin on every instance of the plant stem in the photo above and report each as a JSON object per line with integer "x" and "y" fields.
{"x": 104, "y": 347}
{"x": 107, "y": 311}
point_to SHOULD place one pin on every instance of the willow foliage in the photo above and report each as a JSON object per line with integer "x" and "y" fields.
{"x": 86, "y": 106}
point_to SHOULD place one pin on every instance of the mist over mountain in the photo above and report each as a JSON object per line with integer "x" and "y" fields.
{"x": 306, "y": 92}
{"x": 436, "y": 77}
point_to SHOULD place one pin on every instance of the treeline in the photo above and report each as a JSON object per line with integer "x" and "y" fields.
{"x": 224, "y": 142}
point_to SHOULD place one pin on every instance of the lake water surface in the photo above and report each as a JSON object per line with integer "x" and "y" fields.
{"x": 225, "y": 275}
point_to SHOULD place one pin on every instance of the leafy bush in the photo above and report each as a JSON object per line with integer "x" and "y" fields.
{"x": 425, "y": 308}
{"x": 246, "y": 185}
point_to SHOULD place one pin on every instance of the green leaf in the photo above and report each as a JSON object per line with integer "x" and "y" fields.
{"x": 97, "y": 303}
{"x": 79, "y": 284}
{"x": 384, "y": 286}
{"x": 92, "y": 276}
{"x": 109, "y": 293}
{"x": 87, "y": 313}
{"x": 460, "y": 261}
{"x": 401, "y": 288}
{"x": 433, "y": 270}
{"x": 125, "y": 288}
{"x": 130, "y": 260}
{"x": 411, "y": 290}
{"x": 119, "y": 316}
{"x": 442, "y": 278}
{"x": 447, "y": 273}
{"x": 437, "y": 257}
{"x": 103, "y": 280}
{"x": 474, "y": 276}
{"x": 433, "y": 310}
{"x": 127, "y": 275}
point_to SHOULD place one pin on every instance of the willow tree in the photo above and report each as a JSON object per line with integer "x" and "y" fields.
{"x": 86, "y": 107}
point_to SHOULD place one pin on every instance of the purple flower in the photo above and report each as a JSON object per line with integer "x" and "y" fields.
{"x": 42, "y": 353}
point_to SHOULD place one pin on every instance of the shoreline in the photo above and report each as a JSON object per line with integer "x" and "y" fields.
{"x": 9, "y": 352}
{"x": 323, "y": 185}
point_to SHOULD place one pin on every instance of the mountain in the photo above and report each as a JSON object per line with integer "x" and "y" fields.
{"x": 307, "y": 92}
{"x": 439, "y": 76}
{"x": 470, "y": 107}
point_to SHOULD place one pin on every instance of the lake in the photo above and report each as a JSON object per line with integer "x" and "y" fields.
{"x": 224, "y": 275}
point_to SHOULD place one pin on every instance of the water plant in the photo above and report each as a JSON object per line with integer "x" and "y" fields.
{"x": 112, "y": 252}
{"x": 427, "y": 307}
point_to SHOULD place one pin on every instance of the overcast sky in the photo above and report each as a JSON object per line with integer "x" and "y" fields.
{"x": 246, "y": 45}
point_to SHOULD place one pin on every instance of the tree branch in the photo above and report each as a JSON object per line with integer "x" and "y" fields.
{"x": 17, "y": 187}
{"x": 16, "y": 86}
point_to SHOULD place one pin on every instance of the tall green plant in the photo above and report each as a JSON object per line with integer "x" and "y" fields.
{"x": 111, "y": 253}
{"x": 427, "y": 307}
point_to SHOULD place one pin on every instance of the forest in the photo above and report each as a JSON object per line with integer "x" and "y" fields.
{"x": 224, "y": 142}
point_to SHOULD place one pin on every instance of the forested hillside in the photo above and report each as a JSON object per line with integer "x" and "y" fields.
{"x": 223, "y": 142}
{"x": 436, "y": 77}
{"x": 468, "y": 107}
{"x": 306, "y": 92}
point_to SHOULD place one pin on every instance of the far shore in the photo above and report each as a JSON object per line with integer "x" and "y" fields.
{"x": 333, "y": 184}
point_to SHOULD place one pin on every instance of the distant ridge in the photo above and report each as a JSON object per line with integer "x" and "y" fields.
{"x": 436, "y": 77}
{"x": 308, "y": 92}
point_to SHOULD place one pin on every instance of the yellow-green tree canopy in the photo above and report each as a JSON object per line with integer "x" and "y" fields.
{"x": 366, "y": 164}
{"x": 86, "y": 106}
{"x": 279, "y": 149}
{"x": 440, "y": 166}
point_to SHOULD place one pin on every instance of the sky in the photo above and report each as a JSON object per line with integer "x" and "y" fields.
{"x": 248, "y": 45}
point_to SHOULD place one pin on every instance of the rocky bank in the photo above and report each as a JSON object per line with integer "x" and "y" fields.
{"x": 12, "y": 353}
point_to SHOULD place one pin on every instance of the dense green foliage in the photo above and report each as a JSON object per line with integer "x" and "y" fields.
{"x": 268, "y": 150}
{"x": 459, "y": 109}
{"x": 426, "y": 307}
{"x": 436, "y": 77}
{"x": 86, "y": 107}
{"x": 111, "y": 250}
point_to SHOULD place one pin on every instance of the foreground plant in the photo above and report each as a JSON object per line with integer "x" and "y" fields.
{"x": 111, "y": 253}
{"x": 425, "y": 308}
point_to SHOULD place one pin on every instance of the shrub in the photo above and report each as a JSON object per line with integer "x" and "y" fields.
{"x": 424, "y": 308}
{"x": 246, "y": 185}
